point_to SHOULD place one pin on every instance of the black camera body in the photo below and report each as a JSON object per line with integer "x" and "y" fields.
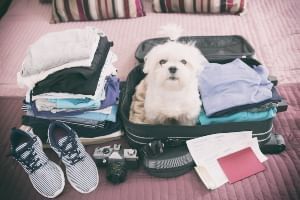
{"x": 116, "y": 161}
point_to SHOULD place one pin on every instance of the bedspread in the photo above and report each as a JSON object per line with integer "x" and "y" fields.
{"x": 280, "y": 180}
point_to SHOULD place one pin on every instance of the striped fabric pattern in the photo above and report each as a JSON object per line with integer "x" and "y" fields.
{"x": 199, "y": 6}
{"x": 92, "y": 10}
{"x": 83, "y": 176}
{"x": 49, "y": 179}
{"x": 81, "y": 170}
{"x": 46, "y": 1}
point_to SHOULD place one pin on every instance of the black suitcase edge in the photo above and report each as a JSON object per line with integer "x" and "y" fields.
{"x": 204, "y": 43}
{"x": 139, "y": 129}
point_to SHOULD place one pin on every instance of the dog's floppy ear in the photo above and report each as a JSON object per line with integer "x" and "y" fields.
{"x": 150, "y": 58}
{"x": 147, "y": 65}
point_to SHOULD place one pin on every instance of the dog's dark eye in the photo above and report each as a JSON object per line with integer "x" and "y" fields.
{"x": 162, "y": 61}
{"x": 183, "y": 61}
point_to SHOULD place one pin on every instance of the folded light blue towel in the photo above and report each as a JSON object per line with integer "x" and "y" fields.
{"x": 244, "y": 116}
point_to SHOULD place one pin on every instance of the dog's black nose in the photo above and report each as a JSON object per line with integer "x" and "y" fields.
{"x": 172, "y": 70}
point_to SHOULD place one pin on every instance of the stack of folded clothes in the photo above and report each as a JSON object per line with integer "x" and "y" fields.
{"x": 242, "y": 94}
{"x": 71, "y": 78}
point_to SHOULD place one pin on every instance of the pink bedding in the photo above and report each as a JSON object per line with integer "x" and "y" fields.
{"x": 272, "y": 27}
{"x": 280, "y": 180}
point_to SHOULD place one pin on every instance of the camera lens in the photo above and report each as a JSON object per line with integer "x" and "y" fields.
{"x": 106, "y": 150}
{"x": 116, "y": 171}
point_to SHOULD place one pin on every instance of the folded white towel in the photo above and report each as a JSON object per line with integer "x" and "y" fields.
{"x": 59, "y": 48}
{"x": 30, "y": 81}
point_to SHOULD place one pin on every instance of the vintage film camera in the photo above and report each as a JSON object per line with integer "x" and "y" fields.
{"x": 116, "y": 161}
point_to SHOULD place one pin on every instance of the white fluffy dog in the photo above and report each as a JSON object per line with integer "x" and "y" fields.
{"x": 172, "y": 95}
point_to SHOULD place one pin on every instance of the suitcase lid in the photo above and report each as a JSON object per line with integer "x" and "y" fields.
{"x": 212, "y": 47}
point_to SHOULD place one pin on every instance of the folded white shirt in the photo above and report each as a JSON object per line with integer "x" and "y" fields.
{"x": 30, "y": 81}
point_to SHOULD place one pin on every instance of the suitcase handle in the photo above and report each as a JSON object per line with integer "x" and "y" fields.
{"x": 174, "y": 142}
{"x": 282, "y": 106}
{"x": 273, "y": 79}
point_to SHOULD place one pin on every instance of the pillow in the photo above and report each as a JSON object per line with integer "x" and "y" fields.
{"x": 89, "y": 10}
{"x": 46, "y": 1}
{"x": 199, "y": 6}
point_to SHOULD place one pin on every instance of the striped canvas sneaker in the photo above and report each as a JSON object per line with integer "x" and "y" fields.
{"x": 46, "y": 176}
{"x": 81, "y": 169}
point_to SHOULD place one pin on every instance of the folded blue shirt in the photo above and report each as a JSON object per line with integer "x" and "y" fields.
{"x": 237, "y": 117}
{"x": 66, "y": 116}
{"x": 75, "y": 103}
{"x": 233, "y": 84}
{"x": 275, "y": 99}
{"x": 92, "y": 115}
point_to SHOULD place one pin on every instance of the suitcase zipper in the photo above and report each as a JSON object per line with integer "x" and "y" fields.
{"x": 130, "y": 135}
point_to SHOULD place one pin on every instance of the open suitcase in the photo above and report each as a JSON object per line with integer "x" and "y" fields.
{"x": 219, "y": 49}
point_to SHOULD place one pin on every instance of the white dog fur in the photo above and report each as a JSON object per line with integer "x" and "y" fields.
{"x": 170, "y": 88}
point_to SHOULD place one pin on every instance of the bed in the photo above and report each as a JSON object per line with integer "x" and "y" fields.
{"x": 273, "y": 29}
